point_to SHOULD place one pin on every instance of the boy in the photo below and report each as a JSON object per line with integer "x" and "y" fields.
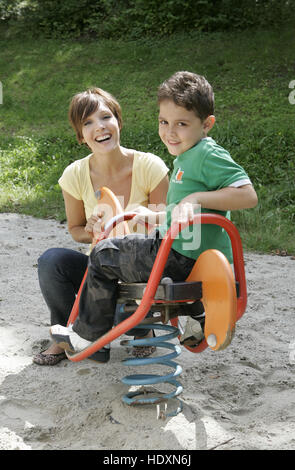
{"x": 204, "y": 174}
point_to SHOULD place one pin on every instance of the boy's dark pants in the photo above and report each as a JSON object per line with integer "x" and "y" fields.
{"x": 129, "y": 259}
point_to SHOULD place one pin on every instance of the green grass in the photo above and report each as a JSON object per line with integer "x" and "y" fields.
{"x": 250, "y": 73}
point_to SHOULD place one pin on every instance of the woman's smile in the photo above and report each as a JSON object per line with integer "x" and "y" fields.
{"x": 101, "y": 129}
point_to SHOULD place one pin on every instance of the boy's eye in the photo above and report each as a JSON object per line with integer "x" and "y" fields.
{"x": 180, "y": 124}
{"x": 162, "y": 122}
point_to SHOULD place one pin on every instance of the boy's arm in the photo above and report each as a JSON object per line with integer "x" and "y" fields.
{"x": 225, "y": 199}
{"x": 145, "y": 215}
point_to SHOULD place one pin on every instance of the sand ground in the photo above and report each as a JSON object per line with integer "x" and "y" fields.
{"x": 240, "y": 398}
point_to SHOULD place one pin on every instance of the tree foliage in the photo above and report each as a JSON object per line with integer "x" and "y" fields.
{"x": 138, "y": 18}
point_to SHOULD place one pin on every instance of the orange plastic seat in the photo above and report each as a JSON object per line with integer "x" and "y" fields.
{"x": 219, "y": 297}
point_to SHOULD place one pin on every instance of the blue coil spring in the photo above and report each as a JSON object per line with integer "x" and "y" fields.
{"x": 133, "y": 398}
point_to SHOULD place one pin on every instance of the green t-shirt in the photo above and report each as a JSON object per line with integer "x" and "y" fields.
{"x": 204, "y": 167}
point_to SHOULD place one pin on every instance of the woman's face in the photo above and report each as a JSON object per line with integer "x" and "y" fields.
{"x": 101, "y": 130}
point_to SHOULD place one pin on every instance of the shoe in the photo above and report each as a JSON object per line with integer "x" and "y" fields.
{"x": 70, "y": 341}
{"x": 48, "y": 359}
{"x": 143, "y": 351}
{"x": 102, "y": 356}
{"x": 67, "y": 339}
{"x": 193, "y": 333}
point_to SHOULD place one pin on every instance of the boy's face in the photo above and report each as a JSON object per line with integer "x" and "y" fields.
{"x": 180, "y": 129}
{"x": 101, "y": 131}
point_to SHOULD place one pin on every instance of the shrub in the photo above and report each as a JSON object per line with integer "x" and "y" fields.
{"x": 138, "y": 18}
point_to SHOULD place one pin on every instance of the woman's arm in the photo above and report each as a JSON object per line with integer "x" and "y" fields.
{"x": 76, "y": 219}
{"x": 158, "y": 196}
{"x": 155, "y": 213}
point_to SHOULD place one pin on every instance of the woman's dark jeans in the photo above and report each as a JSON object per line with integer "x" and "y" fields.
{"x": 60, "y": 272}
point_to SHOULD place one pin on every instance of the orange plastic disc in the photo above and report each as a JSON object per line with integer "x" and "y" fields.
{"x": 219, "y": 297}
{"x": 110, "y": 206}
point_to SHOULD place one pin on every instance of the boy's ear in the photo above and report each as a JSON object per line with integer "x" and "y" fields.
{"x": 209, "y": 123}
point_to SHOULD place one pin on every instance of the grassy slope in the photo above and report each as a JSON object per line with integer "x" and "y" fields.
{"x": 250, "y": 73}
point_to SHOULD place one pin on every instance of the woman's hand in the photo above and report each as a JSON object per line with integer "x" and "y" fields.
{"x": 94, "y": 225}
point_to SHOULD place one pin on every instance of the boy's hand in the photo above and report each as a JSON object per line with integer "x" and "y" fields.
{"x": 183, "y": 213}
{"x": 145, "y": 215}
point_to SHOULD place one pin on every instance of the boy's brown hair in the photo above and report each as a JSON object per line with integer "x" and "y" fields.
{"x": 86, "y": 103}
{"x": 189, "y": 90}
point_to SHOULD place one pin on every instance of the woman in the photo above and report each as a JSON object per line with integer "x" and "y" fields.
{"x": 138, "y": 179}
